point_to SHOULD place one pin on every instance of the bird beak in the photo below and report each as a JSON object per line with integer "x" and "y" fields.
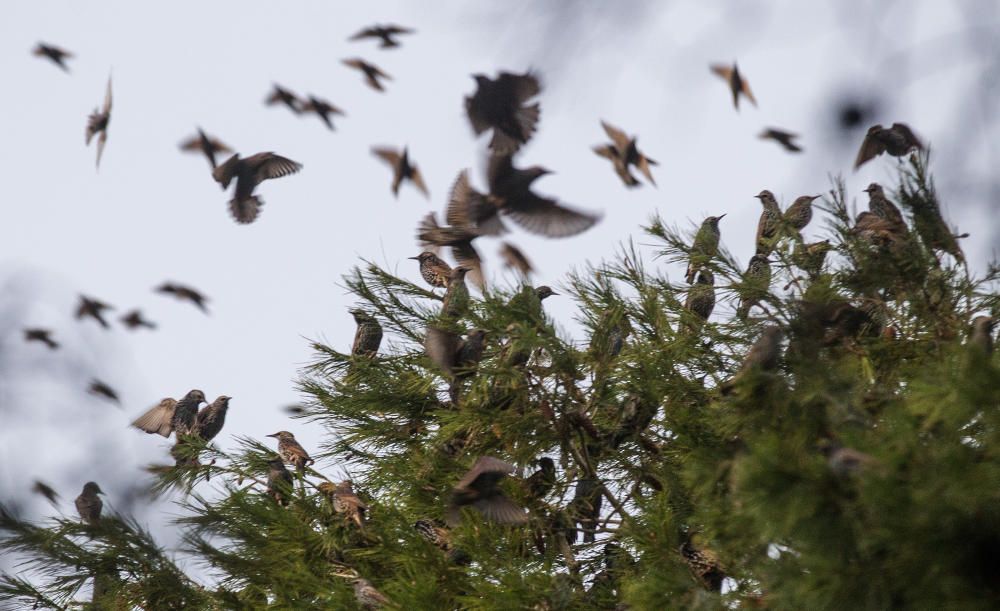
{"x": 817, "y": 196}
{"x": 414, "y": 258}
{"x": 721, "y": 215}
{"x": 272, "y": 435}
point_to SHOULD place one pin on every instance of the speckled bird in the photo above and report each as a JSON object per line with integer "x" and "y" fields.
{"x": 701, "y": 297}
{"x": 291, "y": 451}
{"x": 367, "y": 596}
{"x": 459, "y": 239}
{"x": 768, "y": 224}
{"x": 367, "y": 336}
{"x": 211, "y": 418}
{"x": 433, "y": 269}
{"x": 882, "y": 207}
{"x": 705, "y": 246}
{"x": 798, "y": 215}
{"x": 756, "y": 283}
{"x": 345, "y": 501}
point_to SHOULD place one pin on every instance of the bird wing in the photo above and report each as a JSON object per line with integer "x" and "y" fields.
{"x": 545, "y": 216}
{"x": 485, "y": 473}
{"x": 502, "y": 510}
{"x": 457, "y": 212}
{"x": 742, "y": 86}
{"x": 476, "y": 118}
{"x": 440, "y": 346}
{"x": 522, "y": 86}
{"x": 107, "y": 98}
{"x": 388, "y": 155}
{"x": 371, "y": 32}
{"x": 911, "y": 138}
{"x": 101, "y": 140}
{"x": 398, "y": 29}
{"x": 644, "y": 163}
{"x": 225, "y": 172}
{"x": 514, "y": 258}
{"x": 418, "y": 180}
{"x": 466, "y": 255}
{"x": 608, "y": 151}
{"x": 158, "y": 418}
{"x": 618, "y": 137}
{"x": 870, "y": 148}
{"x": 270, "y": 166}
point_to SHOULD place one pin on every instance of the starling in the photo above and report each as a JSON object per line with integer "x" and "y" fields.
{"x": 280, "y": 95}
{"x": 40, "y": 487}
{"x": 437, "y": 533}
{"x": 323, "y": 110}
{"x": 455, "y": 356}
{"x": 432, "y": 236}
{"x": 372, "y": 72}
{"x": 385, "y": 33}
{"x": 279, "y": 481}
{"x": 756, "y": 284}
{"x": 609, "y": 335}
{"x": 98, "y": 121}
{"x": 470, "y": 350}
{"x": 169, "y": 415}
{"x": 92, "y": 308}
{"x": 57, "y": 55}
{"x": 585, "y": 508}
{"x": 499, "y": 104}
{"x": 930, "y": 225}
{"x": 368, "y": 335}
{"x": 479, "y": 487}
{"x": 541, "y": 482}
{"x": 706, "y": 246}
{"x": 434, "y": 271}
{"x": 210, "y": 419}
{"x": 367, "y": 596}
{"x": 882, "y": 207}
{"x": 511, "y": 194}
{"x": 89, "y": 505}
{"x": 441, "y": 347}
{"x": 877, "y": 230}
{"x": 134, "y": 320}
{"x": 515, "y": 259}
{"x": 100, "y": 389}
{"x": 705, "y": 567}
{"x": 470, "y": 208}
{"x": 250, "y": 172}
{"x": 810, "y": 257}
{"x": 845, "y": 462}
{"x": 184, "y": 293}
{"x": 898, "y": 140}
{"x": 781, "y": 137}
{"x": 769, "y": 223}
{"x": 41, "y": 335}
{"x": 798, "y": 215}
{"x": 737, "y": 84}
{"x": 402, "y": 169}
{"x": 345, "y": 501}
{"x": 765, "y": 354}
{"x": 623, "y": 153}
{"x": 456, "y": 295}
{"x": 206, "y": 145}
{"x": 701, "y": 297}
{"x": 981, "y": 335}
{"x": 291, "y": 451}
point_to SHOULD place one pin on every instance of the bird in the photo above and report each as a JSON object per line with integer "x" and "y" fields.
{"x": 623, "y": 153}
{"x": 769, "y": 223}
{"x": 368, "y": 335}
{"x": 468, "y": 208}
{"x": 810, "y": 257}
{"x": 323, "y": 110}
{"x": 402, "y": 168}
{"x": 41, "y": 335}
{"x": 511, "y": 194}
{"x": 372, "y": 72}
{"x": 515, "y": 259}
{"x": 57, "y": 55}
{"x": 280, "y": 95}
{"x": 931, "y": 227}
{"x": 89, "y": 505}
{"x": 209, "y": 146}
{"x": 704, "y": 566}
{"x": 765, "y": 353}
{"x": 798, "y": 215}
{"x": 386, "y": 33}
{"x": 981, "y": 334}
{"x": 94, "y": 309}
{"x": 100, "y": 389}
{"x": 500, "y": 104}
{"x": 97, "y": 123}
{"x": 345, "y": 501}
{"x": 701, "y": 297}
{"x": 40, "y": 487}
{"x": 250, "y": 172}
{"x": 585, "y": 507}
{"x": 433, "y": 270}
{"x": 898, "y": 140}
{"x": 279, "y": 481}
{"x": 541, "y": 482}
{"x": 456, "y": 295}
{"x": 781, "y": 137}
{"x": 211, "y": 418}
{"x": 133, "y": 320}
{"x": 737, "y": 84}
{"x": 705, "y": 246}
{"x": 756, "y": 283}
{"x": 479, "y": 488}
{"x": 882, "y": 207}
{"x": 432, "y": 236}
{"x": 171, "y": 416}
{"x": 877, "y": 230}
{"x": 367, "y": 596}
{"x": 291, "y": 451}
{"x": 184, "y": 293}
{"x": 437, "y": 533}
{"x": 450, "y": 352}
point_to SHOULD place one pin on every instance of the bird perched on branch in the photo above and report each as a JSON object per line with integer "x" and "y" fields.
{"x": 170, "y": 416}
{"x": 322, "y": 109}
{"x": 97, "y": 123}
{"x": 449, "y": 351}
{"x": 184, "y": 293}
{"x": 456, "y": 295}
{"x": 57, "y": 55}
{"x": 133, "y": 319}
{"x": 737, "y": 84}
{"x": 41, "y": 335}
{"x": 345, "y": 501}
{"x": 89, "y": 505}
{"x": 279, "y": 481}
{"x": 704, "y": 566}
{"x": 500, "y": 104}
{"x": 250, "y": 172}
{"x": 769, "y": 223}
{"x": 479, "y": 488}
{"x": 764, "y": 356}
{"x": 798, "y": 215}
{"x": 898, "y": 140}
{"x": 623, "y": 152}
{"x": 291, "y": 451}
{"x": 459, "y": 239}
{"x": 981, "y": 334}
{"x": 208, "y": 146}
{"x": 372, "y": 73}
{"x": 781, "y": 137}
{"x": 209, "y": 421}
{"x": 934, "y": 232}
{"x": 756, "y": 284}
{"x": 433, "y": 270}
{"x": 280, "y": 95}
{"x": 439, "y": 536}
{"x": 402, "y": 169}
{"x": 93, "y": 308}
{"x": 386, "y": 33}
{"x": 368, "y": 335}
{"x": 367, "y": 596}
{"x": 705, "y": 246}
{"x": 882, "y": 207}
{"x": 810, "y": 257}
{"x": 701, "y": 297}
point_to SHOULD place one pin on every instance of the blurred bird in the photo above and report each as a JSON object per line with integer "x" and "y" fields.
{"x": 169, "y": 415}
{"x": 323, "y": 110}
{"x": 40, "y": 487}
{"x": 89, "y": 505}
{"x": 433, "y": 270}
{"x": 209, "y": 421}
{"x": 781, "y": 137}
{"x": 290, "y": 450}
{"x": 930, "y": 225}
{"x": 250, "y": 172}
{"x": 448, "y": 351}
{"x": 882, "y": 207}
{"x": 471, "y": 209}
{"x": 810, "y": 257}
{"x": 279, "y": 481}
{"x": 97, "y": 123}
{"x": 479, "y": 488}
{"x": 499, "y": 104}
{"x": 770, "y": 221}
{"x": 845, "y": 462}
{"x": 757, "y": 282}
{"x": 345, "y": 501}
{"x": 385, "y": 32}
{"x": 704, "y": 566}
{"x": 367, "y": 596}
{"x": 898, "y": 140}
{"x": 765, "y": 354}
{"x": 207, "y": 145}
{"x": 368, "y": 336}
{"x": 515, "y": 259}
{"x": 456, "y": 296}
{"x": 55, "y": 54}
{"x": 280, "y": 95}
{"x": 41, "y": 335}
{"x": 701, "y": 297}
{"x": 438, "y": 535}
{"x": 184, "y": 293}
{"x": 94, "y": 309}
{"x": 372, "y": 72}
{"x": 798, "y": 215}
{"x": 100, "y": 389}
{"x": 981, "y": 335}
{"x": 585, "y": 507}
{"x": 736, "y": 82}
{"x": 541, "y": 482}
{"x": 432, "y": 236}
{"x": 402, "y": 169}
{"x": 133, "y": 320}
{"x": 877, "y": 230}
{"x": 705, "y": 246}
{"x": 623, "y": 153}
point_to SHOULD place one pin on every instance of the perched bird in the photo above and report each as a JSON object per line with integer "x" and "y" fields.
{"x": 930, "y": 225}
{"x": 250, "y": 172}
{"x": 100, "y": 389}
{"x": 56, "y": 54}
{"x": 701, "y": 297}
{"x": 184, "y": 293}
{"x": 765, "y": 354}
{"x": 279, "y": 481}
{"x": 209, "y": 146}
{"x": 457, "y": 357}
{"x": 290, "y": 450}
{"x": 133, "y": 320}
{"x": 170, "y": 416}
{"x": 40, "y": 487}
{"x": 798, "y": 215}
{"x": 97, "y": 123}
{"x": 468, "y": 208}
{"x": 882, "y": 207}
{"x": 345, "y": 501}
{"x": 372, "y": 72}
{"x": 94, "y": 309}
{"x": 843, "y": 461}
{"x": 402, "y": 169}
{"x": 479, "y": 488}
{"x": 367, "y": 596}
{"x": 210, "y": 419}
{"x": 704, "y": 566}
{"x": 89, "y": 505}
{"x": 585, "y": 507}
{"x": 456, "y": 295}
{"x": 781, "y": 137}
{"x": 41, "y": 335}
{"x": 439, "y": 536}
{"x": 368, "y": 336}
{"x": 877, "y": 230}
{"x": 541, "y": 482}
{"x": 810, "y": 257}
{"x": 323, "y": 110}
{"x": 459, "y": 239}
{"x": 705, "y": 246}
{"x": 737, "y": 84}
{"x": 756, "y": 283}
{"x": 623, "y": 153}
{"x": 433, "y": 270}
{"x": 981, "y": 335}
{"x": 500, "y": 104}
{"x": 769, "y": 223}
{"x": 609, "y": 334}
{"x": 515, "y": 259}
{"x": 385, "y": 32}
{"x": 280, "y": 95}
{"x": 898, "y": 140}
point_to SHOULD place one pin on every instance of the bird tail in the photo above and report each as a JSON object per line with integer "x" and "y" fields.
{"x": 245, "y": 211}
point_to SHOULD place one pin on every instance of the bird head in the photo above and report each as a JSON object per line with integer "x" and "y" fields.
{"x": 765, "y": 196}
{"x": 360, "y": 315}
{"x": 423, "y": 256}
{"x": 481, "y": 79}
{"x": 706, "y": 277}
{"x": 536, "y": 171}
{"x": 92, "y": 488}
{"x": 223, "y": 400}
{"x": 196, "y": 395}
{"x": 544, "y": 291}
{"x": 281, "y": 435}
{"x": 873, "y": 188}
{"x": 714, "y": 220}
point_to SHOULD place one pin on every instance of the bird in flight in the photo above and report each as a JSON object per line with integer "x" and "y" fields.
{"x": 57, "y": 55}
{"x": 386, "y": 33}
{"x": 250, "y": 172}
{"x": 737, "y": 84}
{"x": 207, "y": 145}
{"x": 97, "y": 123}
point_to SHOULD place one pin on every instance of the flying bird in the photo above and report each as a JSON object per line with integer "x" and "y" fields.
{"x": 100, "y": 389}
{"x": 41, "y": 335}
{"x": 479, "y": 488}
{"x": 372, "y": 72}
{"x": 468, "y": 208}
{"x": 133, "y": 320}
{"x": 515, "y": 259}
{"x": 94, "y": 309}
{"x": 322, "y": 109}
{"x": 280, "y": 95}
{"x": 624, "y": 153}
{"x": 387, "y": 33}
{"x": 40, "y": 487}
{"x": 781, "y": 137}
{"x": 97, "y": 123}
{"x": 57, "y": 55}
{"x": 209, "y": 146}
{"x": 184, "y": 293}
{"x": 500, "y": 104}
{"x": 291, "y": 451}
{"x": 898, "y": 140}
{"x": 402, "y": 168}
{"x": 737, "y": 84}
{"x": 250, "y": 172}
{"x": 89, "y": 505}
{"x": 433, "y": 236}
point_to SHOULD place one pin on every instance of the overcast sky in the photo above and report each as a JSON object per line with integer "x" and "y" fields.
{"x": 153, "y": 214}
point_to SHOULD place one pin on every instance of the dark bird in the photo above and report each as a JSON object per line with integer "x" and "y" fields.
{"x": 40, "y": 487}
{"x": 981, "y": 335}
{"x": 511, "y": 194}
{"x": 368, "y": 335}
{"x": 701, "y": 297}
{"x": 94, "y": 309}
{"x": 100, "y": 389}
{"x": 133, "y": 320}
{"x": 450, "y": 353}
{"x": 456, "y": 295}
{"x": 756, "y": 284}
{"x": 765, "y": 354}
{"x": 184, "y": 293}
{"x": 280, "y": 95}
{"x": 877, "y": 230}
{"x": 585, "y": 508}
{"x": 291, "y": 452}
{"x": 323, "y": 110}
{"x": 250, "y": 172}
{"x": 209, "y": 146}
{"x": 623, "y": 152}
{"x": 737, "y": 84}
{"x": 705, "y": 246}
{"x": 769, "y": 223}
{"x": 345, "y": 501}
{"x": 402, "y": 169}
{"x": 810, "y": 257}
{"x": 930, "y": 225}
{"x": 41, "y": 335}
{"x": 781, "y": 137}
{"x": 97, "y": 123}
{"x": 468, "y": 208}
{"x": 89, "y": 505}
{"x": 56, "y": 54}
{"x": 704, "y": 566}
{"x": 433, "y": 270}
{"x": 500, "y": 104}
{"x": 844, "y": 461}
{"x": 169, "y": 415}
{"x": 882, "y": 207}
{"x": 387, "y": 33}
{"x": 211, "y": 418}
{"x": 479, "y": 488}
{"x": 514, "y": 259}
{"x": 541, "y": 482}
{"x": 372, "y": 72}
{"x": 433, "y": 237}
{"x": 279, "y": 481}
{"x": 798, "y": 215}
{"x": 898, "y": 140}
{"x": 367, "y": 596}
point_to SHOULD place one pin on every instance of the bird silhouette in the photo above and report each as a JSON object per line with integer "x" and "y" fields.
{"x": 782, "y": 137}
{"x": 402, "y": 168}
{"x": 97, "y": 123}
{"x": 250, "y": 172}
{"x": 133, "y": 320}
{"x": 280, "y": 95}
{"x": 43, "y": 336}
{"x": 372, "y": 73}
{"x": 92, "y": 308}
{"x": 479, "y": 488}
{"x": 737, "y": 84}
{"x": 208, "y": 146}
{"x": 898, "y": 140}
{"x": 624, "y": 153}
{"x": 57, "y": 55}
{"x": 386, "y": 33}
{"x": 500, "y": 104}
{"x": 184, "y": 293}
{"x": 323, "y": 109}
